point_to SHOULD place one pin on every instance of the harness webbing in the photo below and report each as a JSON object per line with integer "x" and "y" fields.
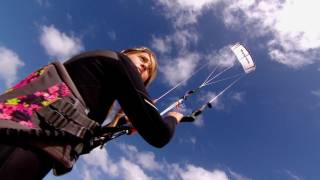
{"x": 65, "y": 116}
{"x": 83, "y": 145}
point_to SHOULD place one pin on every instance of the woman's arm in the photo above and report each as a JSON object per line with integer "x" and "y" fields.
{"x": 135, "y": 102}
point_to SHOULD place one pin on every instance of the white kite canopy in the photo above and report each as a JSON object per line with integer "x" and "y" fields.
{"x": 243, "y": 57}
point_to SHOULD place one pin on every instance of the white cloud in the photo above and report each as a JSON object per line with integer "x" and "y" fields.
{"x": 191, "y": 140}
{"x": 44, "y": 3}
{"x": 316, "y": 92}
{"x": 9, "y": 65}
{"x": 162, "y": 45}
{"x": 292, "y": 175}
{"x": 193, "y": 172}
{"x": 69, "y": 17}
{"x": 142, "y": 165}
{"x": 224, "y": 57}
{"x": 100, "y": 158}
{"x": 89, "y": 174}
{"x": 184, "y": 12}
{"x": 112, "y": 35}
{"x": 237, "y": 176}
{"x": 196, "y": 5}
{"x": 296, "y": 37}
{"x": 183, "y": 38}
{"x": 58, "y": 44}
{"x": 177, "y": 67}
{"x": 180, "y": 68}
{"x": 190, "y": 172}
{"x": 132, "y": 171}
{"x": 217, "y": 104}
{"x": 238, "y": 96}
{"x": 131, "y": 168}
{"x": 199, "y": 122}
{"x": 180, "y": 39}
{"x": 145, "y": 159}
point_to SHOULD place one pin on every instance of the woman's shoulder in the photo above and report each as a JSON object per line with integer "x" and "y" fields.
{"x": 98, "y": 53}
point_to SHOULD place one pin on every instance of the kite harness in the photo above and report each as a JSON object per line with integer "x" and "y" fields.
{"x": 45, "y": 110}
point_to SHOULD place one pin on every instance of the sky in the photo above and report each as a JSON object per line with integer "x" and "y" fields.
{"x": 265, "y": 127}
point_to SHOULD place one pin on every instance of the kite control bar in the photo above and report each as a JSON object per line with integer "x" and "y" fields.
{"x": 106, "y": 134}
{"x": 197, "y": 112}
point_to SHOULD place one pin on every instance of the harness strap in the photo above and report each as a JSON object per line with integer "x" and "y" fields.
{"x": 28, "y": 134}
{"x": 71, "y": 112}
{"x": 64, "y": 116}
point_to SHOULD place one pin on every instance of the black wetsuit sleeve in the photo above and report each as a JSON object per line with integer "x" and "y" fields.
{"x": 137, "y": 105}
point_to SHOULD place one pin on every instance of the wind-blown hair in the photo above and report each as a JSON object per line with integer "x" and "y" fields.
{"x": 153, "y": 61}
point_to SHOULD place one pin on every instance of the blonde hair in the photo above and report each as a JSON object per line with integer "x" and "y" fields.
{"x": 153, "y": 61}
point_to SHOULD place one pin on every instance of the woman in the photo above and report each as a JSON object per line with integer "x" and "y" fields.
{"x": 99, "y": 78}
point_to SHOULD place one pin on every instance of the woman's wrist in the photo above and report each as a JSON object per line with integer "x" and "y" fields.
{"x": 178, "y": 116}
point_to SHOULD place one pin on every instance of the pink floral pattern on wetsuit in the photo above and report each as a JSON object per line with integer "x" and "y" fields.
{"x": 21, "y": 108}
{"x": 31, "y": 77}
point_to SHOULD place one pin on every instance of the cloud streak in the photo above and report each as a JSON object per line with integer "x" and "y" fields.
{"x": 193, "y": 172}
{"x": 100, "y": 159}
{"x": 135, "y": 164}
{"x": 316, "y": 92}
{"x": 10, "y": 63}
{"x": 237, "y": 176}
{"x": 145, "y": 159}
{"x": 292, "y": 175}
{"x": 184, "y": 12}
{"x": 58, "y": 44}
{"x": 293, "y": 38}
{"x": 132, "y": 171}
{"x": 238, "y": 96}
{"x": 178, "y": 69}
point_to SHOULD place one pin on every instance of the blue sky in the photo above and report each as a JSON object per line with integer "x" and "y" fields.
{"x": 266, "y": 127}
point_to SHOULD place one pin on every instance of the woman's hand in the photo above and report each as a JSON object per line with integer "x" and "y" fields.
{"x": 177, "y": 115}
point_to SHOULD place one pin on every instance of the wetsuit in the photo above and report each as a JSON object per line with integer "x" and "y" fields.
{"x": 101, "y": 77}
{"x": 101, "y": 80}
